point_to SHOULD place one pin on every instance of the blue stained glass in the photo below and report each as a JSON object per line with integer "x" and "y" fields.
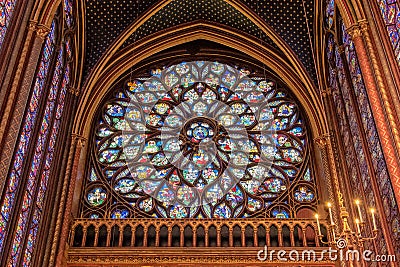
{"x": 222, "y": 211}
{"x": 307, "y": 176}
{"x": 29, "y": 122}
{"x": 120, "y": 214}
{"x": 304, "y": 194}
{"x": 96, "y": 196}
{"x": 330, "y": 12}
{"x": 280, "y": 213}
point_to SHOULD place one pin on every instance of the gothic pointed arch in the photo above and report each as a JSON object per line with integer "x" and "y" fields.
{"x": 295, "y": 76}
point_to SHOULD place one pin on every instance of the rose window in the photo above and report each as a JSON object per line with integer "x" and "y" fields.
{"x": 199, "y": 140}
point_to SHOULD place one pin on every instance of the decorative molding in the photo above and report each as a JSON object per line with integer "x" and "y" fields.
{"x": 78, "y": 139}
{"x": 17, "y": 100}
{"x": 42, "y": 31}
{"x": 59, "y": 222}
{"x": 78, "y": 142}
{"x": 128, "y": 259}
{"x": 391, "y": 116}
{"x": 189, "y": 255}
{"x": 364, "y": 25}
{"x": 324, "y": 143}
{"x": 32, "y": 25}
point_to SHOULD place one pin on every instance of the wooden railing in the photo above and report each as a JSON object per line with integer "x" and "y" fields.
{"x": 195, "y": 233}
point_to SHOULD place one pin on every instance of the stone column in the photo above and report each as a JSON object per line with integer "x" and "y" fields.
{"x": 331, "y": 178}
{"x": 63, "y": 222}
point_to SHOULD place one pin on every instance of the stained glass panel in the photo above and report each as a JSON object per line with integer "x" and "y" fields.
{"x": 330, "y": 12}
{"x": 390, "y": 12}
{"x": 6, "y": 12}
{"x": 34, "y": 226}
{"x": 199, "y": 139}
{"x": 68, "y": 11}
{"x": 26, "y": 134}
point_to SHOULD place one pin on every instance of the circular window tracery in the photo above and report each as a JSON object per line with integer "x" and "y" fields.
{"x": 201, "y": 139}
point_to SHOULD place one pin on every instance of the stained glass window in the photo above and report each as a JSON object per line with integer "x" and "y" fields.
{"x": 391, "y": 16}
{"x": 68, "y": 11}
{"x": 26, "y": 134}
{"x": 6, "y": 12}
{"x": 34, "y": 226}
{"x": 199, "y": 140}
{"x": 39, "y": 168}
{"x": 330, "y": 12}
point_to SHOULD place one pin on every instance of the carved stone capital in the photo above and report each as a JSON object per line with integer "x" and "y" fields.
{"x": 364, "y": 25}
{"x": 32, "y": 25}
{"x": 322, "y": 141}
{"x": 40, "y": 29}
{"x": 355, "y": 31}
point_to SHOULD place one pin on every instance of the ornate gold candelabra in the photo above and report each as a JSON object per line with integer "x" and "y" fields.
{"x": 346, "y": 238}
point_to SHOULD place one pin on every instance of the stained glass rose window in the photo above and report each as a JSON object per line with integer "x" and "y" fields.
{"x": 199, "y": 140}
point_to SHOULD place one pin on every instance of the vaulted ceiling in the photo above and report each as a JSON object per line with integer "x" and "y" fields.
{"x": 106, "y": 20}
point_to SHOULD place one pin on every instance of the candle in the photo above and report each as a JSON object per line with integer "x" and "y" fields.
{"x": 373, "y": 218}
{"x": 319, "y": 227}
{"x": 358, "y": 226}
{"x": 330, "y": 213}
{"x": 359, "y": 210}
